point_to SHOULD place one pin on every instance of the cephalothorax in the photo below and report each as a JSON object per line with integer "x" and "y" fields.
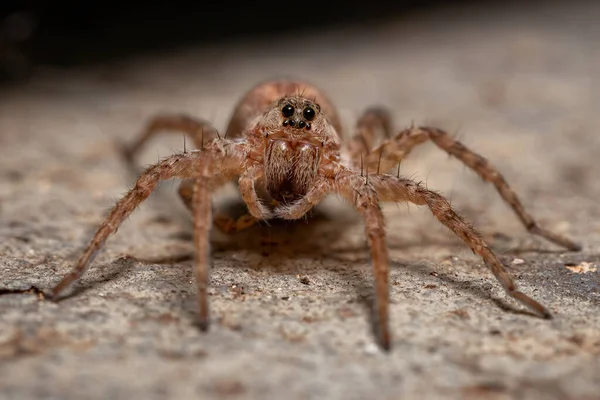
{"x": 283, "y": 146}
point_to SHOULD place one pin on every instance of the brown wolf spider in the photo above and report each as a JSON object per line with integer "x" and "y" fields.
{"x": 283, "y": 145}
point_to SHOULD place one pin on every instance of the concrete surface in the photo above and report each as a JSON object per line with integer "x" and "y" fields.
{"x": 519, "y": 85}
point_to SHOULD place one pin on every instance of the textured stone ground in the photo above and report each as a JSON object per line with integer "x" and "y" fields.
{"x": 518, "y": 85}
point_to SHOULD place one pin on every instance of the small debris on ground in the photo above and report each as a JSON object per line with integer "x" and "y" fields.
{"x": 582, "y": 268}
{"x": 371, "y": 349}
{"x": 461, "y": 313}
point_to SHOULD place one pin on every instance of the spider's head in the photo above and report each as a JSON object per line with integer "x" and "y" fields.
{"x": 298, "y": 113}
{"x": 298, "y": 117}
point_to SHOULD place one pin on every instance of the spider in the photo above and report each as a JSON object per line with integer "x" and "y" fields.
{"x": 283, "y": 146}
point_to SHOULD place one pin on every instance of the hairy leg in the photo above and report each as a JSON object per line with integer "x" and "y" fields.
{"x": 393, "y": 189}
{"x": 392, "y": 151}
{"x": 365, "y": 193}
{"x": 300, "y": 207}
{"x": 359, "y": 193}
{"x": 200, "y": 131}
{"x": 202, "y": 223}
{"x": 247, "y": 185}
{"x": 187, "y": 165}
{"x": 372, "y": 124}
{"x": 367, "y": 204}
{"x": 225, "y": 223}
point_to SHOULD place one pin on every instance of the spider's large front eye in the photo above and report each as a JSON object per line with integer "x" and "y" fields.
{"x": 308, "y": 113}
{"x": 287, "y": 110}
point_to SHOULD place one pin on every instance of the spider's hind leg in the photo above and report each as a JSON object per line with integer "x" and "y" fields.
{"x": 373, "y": 125}
{"x": 391, "y": 151}
{"x": 200, "y": 131}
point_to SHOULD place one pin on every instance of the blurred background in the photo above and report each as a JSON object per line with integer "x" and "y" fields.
{"x": 82, "y": 75}
{"x": 40, "y": 34}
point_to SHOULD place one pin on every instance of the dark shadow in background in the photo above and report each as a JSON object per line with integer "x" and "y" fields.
{"x": 38, "y": 33}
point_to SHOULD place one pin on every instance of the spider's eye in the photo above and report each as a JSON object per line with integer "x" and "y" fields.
{"x": 287, "y": 110}
{"x": 308, "y": 113}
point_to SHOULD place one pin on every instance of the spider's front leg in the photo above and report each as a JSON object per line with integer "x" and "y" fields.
{"x": 367, "y": 204}
{"x": 247, "y": 185}
{"x": 220, "y": 158}
{"x": 393, "y": 189}
{"x": 360, "y": 193}
{"x": 201, "y": 132}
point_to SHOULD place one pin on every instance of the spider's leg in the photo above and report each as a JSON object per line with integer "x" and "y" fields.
{"x": 393, "y": 189}
{"x": 199, "y": 165}
{"x": 364, "y": 198}
{"x": 358, "y": 191}
{"x": 371, "y": 125}
{"x": 247, "y": 185}
{"x": 300, "y": 207}
{"x": 200, "y": 131}
{"x": 390, "y": 152}
{"x": 202, "y": 209}
{"x": 225, "y": 223}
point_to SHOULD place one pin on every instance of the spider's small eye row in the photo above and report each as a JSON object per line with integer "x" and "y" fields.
{"x": 299, "y": 124}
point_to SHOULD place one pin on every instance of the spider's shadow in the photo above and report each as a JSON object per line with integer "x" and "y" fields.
{"x": 110, "y": 272}
{"x": 471, "y": 287}
{"x": 319, "y": 237}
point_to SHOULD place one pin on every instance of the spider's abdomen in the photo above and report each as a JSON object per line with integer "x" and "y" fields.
{"x": 290, "y": 168}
